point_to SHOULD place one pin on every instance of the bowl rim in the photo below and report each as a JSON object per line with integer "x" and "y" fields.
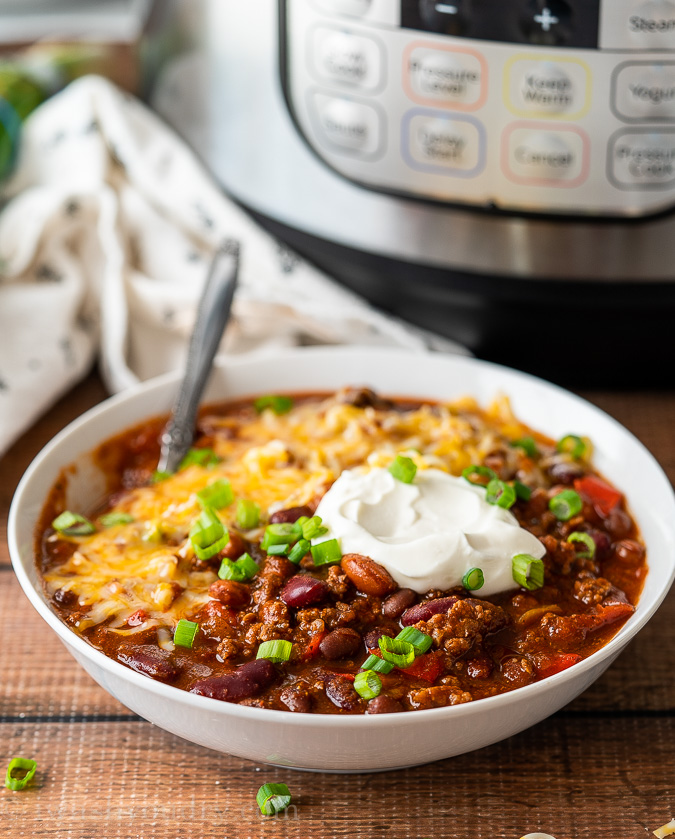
{"x": 269, "y": 715}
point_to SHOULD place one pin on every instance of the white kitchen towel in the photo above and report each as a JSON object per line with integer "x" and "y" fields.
{"x": 105, "y": 241}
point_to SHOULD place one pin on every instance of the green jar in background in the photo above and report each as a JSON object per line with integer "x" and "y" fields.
{"x": 19, "y": 95}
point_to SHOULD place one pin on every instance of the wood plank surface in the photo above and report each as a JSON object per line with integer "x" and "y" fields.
{"x": 601, "y": 769}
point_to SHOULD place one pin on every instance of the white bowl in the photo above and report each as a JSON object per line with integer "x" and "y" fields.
{"x": 351, "y": 743}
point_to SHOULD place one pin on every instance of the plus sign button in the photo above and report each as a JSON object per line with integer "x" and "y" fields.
{"x": 547, "y": 22}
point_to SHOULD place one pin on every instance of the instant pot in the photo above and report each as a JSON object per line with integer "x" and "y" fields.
{"x": 502, "y": 173}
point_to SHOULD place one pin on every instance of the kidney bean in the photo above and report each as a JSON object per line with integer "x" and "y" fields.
{"x": 602, "y": 543}
{"x": 384, "y": 704}
{"x": 234, "y": 548}
{"x": 341, "y": 692}
{"x": 148, "y": 660}
{"x": 396, "y": 604}
{"x": 423, "y": 611}
{"x": 367, "y": 575}
{"x": 340, "y": 643}
{"x": 565, "y": 472}
{"x": 65, "y": 598}
{"x": 246, "y": 681}
{"x": 290, "y": 515}
{"x": 302, "y": 591}
{"x": 618, "y": 523}
{"x": 372, "y": 638}
{"x": 629, "y": 551}
{"x": 296, "y": 699}
{"x": 232, "y": 594}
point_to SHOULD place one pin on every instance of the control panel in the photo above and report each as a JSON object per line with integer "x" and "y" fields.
{"x": 548, "y": 106}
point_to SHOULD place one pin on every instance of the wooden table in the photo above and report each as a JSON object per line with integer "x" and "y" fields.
{"x": 604, "y": 768}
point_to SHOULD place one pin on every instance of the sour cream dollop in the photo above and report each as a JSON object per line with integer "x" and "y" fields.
{"x": 427, "y": 534}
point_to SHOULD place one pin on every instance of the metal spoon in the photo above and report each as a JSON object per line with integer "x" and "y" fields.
{"x": 212, "y": 314}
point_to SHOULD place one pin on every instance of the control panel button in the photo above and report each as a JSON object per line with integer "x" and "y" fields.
{"x": 644, "y": 91}
{"x": 542, "y": 87}
{"x": 446, "y": 18}
{"x": 547, "y": 22}
{"x": 350, "y": 126}
{"x": 540, "y": 157}
{"x": 638, "y": 25}
{"x": 642, "y": 159}
{"x": 455, "y": 77}
{"x": 453, "y": 145}
{"x": 347, "y": 58}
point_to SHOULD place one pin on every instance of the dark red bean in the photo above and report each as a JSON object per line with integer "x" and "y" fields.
{"x": 246, "y": 681}
{"x": 618, "y": 523}
{"x": 341, "y": 693}
{"x": 423, "y": 611}
{"x": 396, "y": 604}
{"x": 234, "y": 548}
{"x": 302, "y": 591}
{"x": 367, "y": 575}
{"x": 602, "y": 543}
{"x": 340, "y": 643}
{"x": 384, "y": 704}
{"x": 148, "y": 660}
{"x": 565, "y": 472}
{"x": 65, "y": 598}
{"x": 296, "y": 699}
{"x": 629, "y": 551}
{"x": 291, "y": 515}
{"x": 372, "y": 638}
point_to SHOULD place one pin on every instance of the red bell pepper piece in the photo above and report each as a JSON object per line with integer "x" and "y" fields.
{"x": 613, "y": 612}
{"x": 312, "y": 649}
{"x": 549, "y": 665}
{"x": 428, "y": 667}
{"x": 601, "y": 495}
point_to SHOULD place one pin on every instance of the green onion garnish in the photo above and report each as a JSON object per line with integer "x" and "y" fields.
{"x": 527, "y": 444}
{"x": 19, "y": 764}
{"x": 73, "y": 524}
{"x": 500, "y": 493}
{"x": 483, "y": 473}
{"x": 374, "y": 662}
{"x": 565, "y": 504}
{"x": 240, "y": 571}
{"x": 522, "y": 491}
{"x": 528, "y": 572}
{"x": 473, "y": 579}
{"x": 275, "y": 651}
{"x": 157, "y": 477}
{"x": 399, "y": 653}
{"x": 217, "y": 495}
{"x": 326, "y": 552}
{"x": 273, "y": 798}
{"x": 280, "y": 534}
{"x": 248, "y": 514}
{"x": 207, "y": 534}
{"x": 403, "y": 469}
{"x": 585, "y": 539}
{"x": 312, "y": 528}
{"x": 421, "y": 642}
{"x": 299, "y": 550}
{"x": 185, "y": 633}
{"x": 279, "y": 550}
{"x": 199, "y": 457}
{"x": 279, "y": 404}
{"x": 572, "y": 445}
{"x": 112, "y": 519}
{"x": 367, "y": 684}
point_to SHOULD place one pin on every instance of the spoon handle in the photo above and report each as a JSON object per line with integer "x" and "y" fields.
{"x": 212, "y": 315}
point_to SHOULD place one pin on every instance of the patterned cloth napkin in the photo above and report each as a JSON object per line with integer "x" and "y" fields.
{"x": 105, "y": 241}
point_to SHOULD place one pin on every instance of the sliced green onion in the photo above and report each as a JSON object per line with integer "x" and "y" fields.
{"x": 528, "y": 572}
{"x": 279, "y": 404}
{"x": 157, "y": 477}
{"x": 522, "y": 491}
{"x": 585, "y": 539}
{"x": 279, "y": 550}
{"x": 483, "y": 473}
{"x": 326, "y": 552}
{"x": 247, "y": 515}
{"x": 300, "y": 549}
{"x": 302, "y": 520}
{"x": 19, "y": 764}
{"x": 240, "y": 571}
{"x": 527, "y": 444}
{"x": 399, "y": 653}
{"x": 112, "y": 519}
{"x": 367, "y": 684}
{"x": 185, "y": 633}
{"x": 73, "y": 524}
{"x": 403, "y": 469}
{"x": 213, "y": 549}
{"x": 572, "y": 445}
{"x": 501, "y": 494}
{"x": 473, "y": 579}
{"x": 275, "y": 651}
{"x": 421, "y": 642}
{"x": 312, "y": 528}
{"x": 283, "y": 533}
{"x": 379, "y": 665}
{"x": 207, "y": 534}
{"x": 273, "y": 798}
{"x": 566, "y": 504}
{"x": 217, "y": 495}
{"x": 199, "y": 457}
